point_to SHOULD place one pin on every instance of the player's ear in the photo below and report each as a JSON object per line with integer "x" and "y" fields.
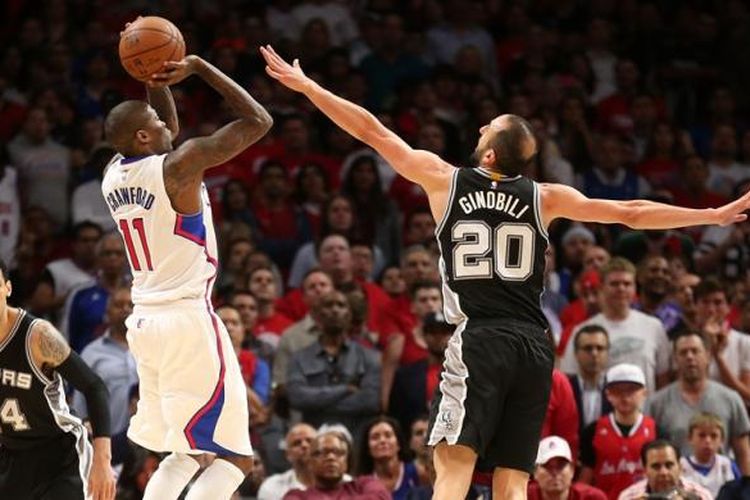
{"x": 489, "y": 158}
{"x": 142, "y": 136}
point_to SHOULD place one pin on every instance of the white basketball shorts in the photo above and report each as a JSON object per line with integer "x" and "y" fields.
{"x": 192, "y": 395}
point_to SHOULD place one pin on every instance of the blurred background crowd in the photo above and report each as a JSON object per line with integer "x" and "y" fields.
{"x": 329, "y": 281}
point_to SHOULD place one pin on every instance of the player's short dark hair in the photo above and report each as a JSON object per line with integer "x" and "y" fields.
{"x": 658, "y": 444}
{"x": 3, "y": 269}
{"x": 589, "y": 330}
{"x": 122, "y": 122}
{"x": 708, "y": 286}
{"x": 508, "y": 145}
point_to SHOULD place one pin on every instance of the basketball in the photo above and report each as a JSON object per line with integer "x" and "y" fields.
{"x": 147, "y": 43}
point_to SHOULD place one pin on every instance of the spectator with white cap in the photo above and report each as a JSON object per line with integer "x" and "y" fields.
{"x": 611, "y": 447}
{"x": 554, "y": 474}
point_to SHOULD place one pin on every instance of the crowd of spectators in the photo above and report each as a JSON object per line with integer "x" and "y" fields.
{"x": 329, "y": 281}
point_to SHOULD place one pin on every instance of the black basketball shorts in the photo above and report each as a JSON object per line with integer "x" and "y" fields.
{"x": 494, "y": 391}
{"x": 48, "y": 472}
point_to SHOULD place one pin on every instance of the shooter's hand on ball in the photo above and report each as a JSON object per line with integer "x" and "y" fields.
{"x": 174, "y": 72}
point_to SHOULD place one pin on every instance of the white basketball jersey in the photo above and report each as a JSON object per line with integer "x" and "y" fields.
{"x": 714, "y": 478}
{"x": 172, "y": 256}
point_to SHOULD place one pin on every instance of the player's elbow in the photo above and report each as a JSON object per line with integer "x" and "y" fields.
{"x": 633, "y": 213}
{"x": 263, "y": 122}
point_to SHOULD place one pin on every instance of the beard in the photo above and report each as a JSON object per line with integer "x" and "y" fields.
{"x": 476, "y": 156}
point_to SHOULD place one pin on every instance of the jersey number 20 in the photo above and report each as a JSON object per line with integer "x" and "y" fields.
{"x": 480, "y": 252}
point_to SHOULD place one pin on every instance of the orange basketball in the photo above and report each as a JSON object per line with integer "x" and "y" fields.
{"x": 147, "y": 43}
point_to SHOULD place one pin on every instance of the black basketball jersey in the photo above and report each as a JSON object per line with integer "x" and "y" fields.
{"x": 492, "y": 246}
{"x": 33, "y": 409}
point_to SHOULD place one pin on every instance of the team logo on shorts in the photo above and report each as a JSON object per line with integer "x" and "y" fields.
{"x": 446, "y": 418}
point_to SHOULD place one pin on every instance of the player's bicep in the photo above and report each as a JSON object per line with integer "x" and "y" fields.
{"x": 422, "y": 167}
{"x": 48, "y": 347}
{"x": 560, "y": 201}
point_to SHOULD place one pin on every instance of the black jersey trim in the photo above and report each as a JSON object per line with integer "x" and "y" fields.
{"x": 37, "y": 370}
{"x": 538, "y": 210}
{"x": 449, "y": 203}
{"x": 13, "y": 329}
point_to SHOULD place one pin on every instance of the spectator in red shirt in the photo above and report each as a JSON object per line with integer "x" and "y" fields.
{"x": 693, "y": 191}
{"x": 282, "y": 228}
{"x": 554, "y": 474}
{"x": 392, "y": 282}
{"x": 660, "y": 166}
{"x": 297, "y": 150}
{"x": 329, "y": 461}
{"x": 270, "y": 323}
{"x": 611, "y": 447}
{"x": 587, "y": 288}
{"x": 614, "y": 112}
{"x": 562, "y": 412}
{"x": 335, "y": 259}
{"x": 311, "y": 190}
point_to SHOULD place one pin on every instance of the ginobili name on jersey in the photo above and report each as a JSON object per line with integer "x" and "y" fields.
{"x": 493, "y": 200}
{"x": 129, "y": 195}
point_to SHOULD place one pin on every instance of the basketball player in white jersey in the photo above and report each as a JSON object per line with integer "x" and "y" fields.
{"x": 495, "y": 382}
{"x": 193, "y": 398}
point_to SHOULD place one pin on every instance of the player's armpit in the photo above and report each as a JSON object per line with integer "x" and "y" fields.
{"x": 422, "y": 167}
{"x": 48, "y": 347}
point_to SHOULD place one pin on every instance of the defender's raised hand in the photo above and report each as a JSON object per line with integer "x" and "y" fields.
{"x": 291, "y": 75}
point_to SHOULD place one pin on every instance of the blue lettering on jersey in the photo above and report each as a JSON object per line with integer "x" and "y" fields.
{"x": 129, "y": 196}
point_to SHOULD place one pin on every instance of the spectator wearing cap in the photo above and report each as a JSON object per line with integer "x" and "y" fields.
{"x": 591, "y": 345}
{"x": 693, "y": 392}
{"x": 634, "y": 337}
{"x": 553, "y": 476}
{"x": 587, "y": 288}
{"x": 664, "y": 479}
{"x": 415, "y": 383}
{"x": 575, "y": 242}
{"x": 611, "y": 447}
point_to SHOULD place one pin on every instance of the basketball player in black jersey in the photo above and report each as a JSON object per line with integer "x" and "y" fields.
{"x": 492, "y": 235}
{"x": 44, "y": 450}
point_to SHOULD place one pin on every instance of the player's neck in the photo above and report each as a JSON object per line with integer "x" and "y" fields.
{"x": 8, "y": 316}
